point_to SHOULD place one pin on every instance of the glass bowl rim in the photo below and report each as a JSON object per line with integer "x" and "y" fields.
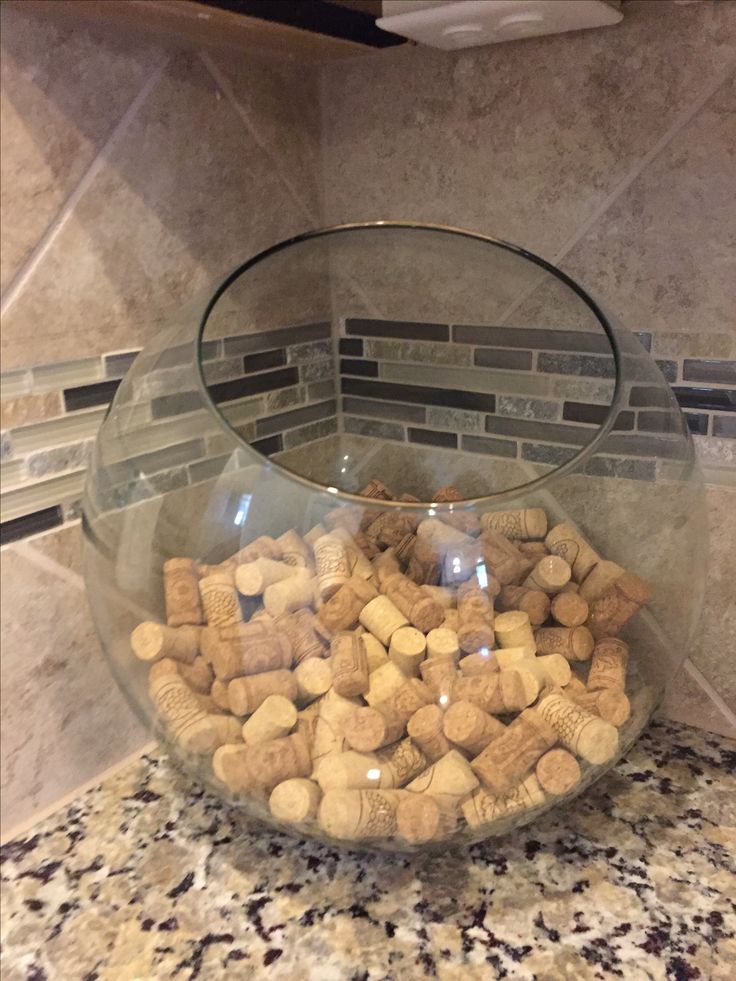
{"x": 513, "y": 493}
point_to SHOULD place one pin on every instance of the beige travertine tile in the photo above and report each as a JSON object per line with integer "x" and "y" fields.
{"x": 663, "y": 257}
{"x": 714, "y": 650}
{"x": 63, "y": 718}
{"x": 30, "y": 408}
{"x": 687, "y": 702}
{"x": 63, "y": 92}
{"x": 185, "y": 195}
{"x": 521, "y": 140}
{"x": 63, "y": 545}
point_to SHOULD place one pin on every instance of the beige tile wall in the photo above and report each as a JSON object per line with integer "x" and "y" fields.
{"x": 132, "y": 177}
{"x": 612, "y": 153}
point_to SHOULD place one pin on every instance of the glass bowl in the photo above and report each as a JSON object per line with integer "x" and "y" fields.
{"x": 395, "y": 539}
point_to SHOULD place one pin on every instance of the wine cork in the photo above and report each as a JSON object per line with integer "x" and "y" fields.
{"x": 198, "y": 675}
{"x": 389, "y": 528}
{"x": 608, "y": 665}
{"x": 359, "y": 814}
{"x": 387, "y": 769}
{"x": 341, "y": 612}
{"x": 526, "y": 524}
{"x": 264, "y": 765}
{"x": 329, "y": 736}
{"x": 569, "y": 609}
{"x": 247, "y": 694}
{"x": 295, "y": 800}
{"x": 510, "y": 756}
{"x": 533, "y": 602}
{"x": 181, "y": 592}
{"x": 420, "y": 818}
{"x": 509, "y": 657}
{"x": 262, "y": 547}
{"x": 558, "y": 772}
{"x": 449, "y": 778}
{"x": 503, "y": 558}
{"x": 227, "y": 767}
{"x": 532, "y": 551}
{"x": 570, "y": 587}
{"x": 369, "y": 728}
{"x": 441, "y": 594}
{"x": 550, "y": 669}
{"x": 377, "y": 490}
{"x": 408, "y": 699}
{"x": 465, "y": 519}
{"x": 484, "y": 807}
{"x": 549, "y": 575}
{"x": 226, "y": 729}
{"x": 513, "y": 629}
{"x": 306, "y": 720}
{"x": 479, "y": 663}
{"x": 298, "y": 627}
{"x": 610, "y": 704}
{"x": 349, "y": 665}
{"x": 451, "y": 621}
{"x": 385, "y": 565}
{"x": 375, "y": 651}
{"x": 567, "y": 542}
{"x": 313, "y": 678}
{"x": 246, "y": 648}
{"x": 152, "y": 641}
{"x": 425, "y": 728}
{"x": 294, "y": 550}
{"x": 573, "y": 643}
{"x": 425, "y": 563}
{"x": 404, "y": 548}
{"x": 470, "y": 727}
{"x": 177, "y": 705}
{"x": 612, "y": 610}
{"x": 401, "y": 762}
{"x": 475, "y": 612}
{"x": 382, "y": 618}
{"x": 442, "y": 642}
{"x": 442, "y": 537}
{"x": 439, "y": 674}
{"x": 225, "y": 568}
{"x": 252, "y": 578}
{"x": 421, "y": 610}
{"x": 600, "y": 579}
{"x": 359, "y": 563}
{"x": 407, "y": 650}
{"x": 333, "y": 565}
{"x": 292, "y": 594}
{"x": 274, "y": 718}
{"x": 313, "y": 534}
{"x": 383, "y": 682}
{"x": 507, "y": 691}
{"x": 218, "y": 694}
{"x": 580, "y": 731}
{"x": 220, "y": 601}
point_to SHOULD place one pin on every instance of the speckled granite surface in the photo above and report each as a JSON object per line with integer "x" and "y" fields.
{"x": 143, "y": 878}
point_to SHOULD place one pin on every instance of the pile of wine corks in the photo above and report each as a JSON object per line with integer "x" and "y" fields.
{"x": 389, "y": 674}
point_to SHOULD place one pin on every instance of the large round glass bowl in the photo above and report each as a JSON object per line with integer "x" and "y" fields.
{"x": 395, "y": 539}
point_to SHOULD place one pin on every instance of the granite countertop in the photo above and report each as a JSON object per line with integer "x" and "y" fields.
{"x": 144, "y": 877}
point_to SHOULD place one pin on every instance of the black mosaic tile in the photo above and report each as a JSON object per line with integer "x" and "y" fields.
{"x": 267, "y": 381}
{"x": 116, "y": 365}
{"x": 697, "y": 423}
{"x": 268, "y": 445}
{"x": 611, "y": 466}
{"x": 644, "y": 396}
{"x": 374, "y": 427}
{"x": 576, "y": 364}
{"x": 383, "y": 410}
{"x": 668, "y": 369}
{"x": 488, "y": 357}
{"x": 409, "y": 330}
{"x": 145, "y": 465}
{"x": 433, "y": 437}
{"x": 724, "y": 426}
{"x": 595, "y": 414}
{"x": 355, "y": 366}
{"x": 86, "y": 396}
{"x": 485, "y": 444}
{"x": 421, "y": 394}
{"x": 654, "y": 421}
{"x": 174, "y": 405}
{"x": 206, "y": 469}
{"x": 30, "y": 524}
{"x": 295, "y": 417}
{"x": 532, "y": 429}
{"x": 702, "y": 370}
{"x": 651, "y": 446}
{"x": 263, "y": 360}
{"x": 716, "y": 399}
{"x": 582, "y": 342}
{"x": 552, "y": 455}
{"x": 351, "y": 346}
{"x": 282, "y": 337}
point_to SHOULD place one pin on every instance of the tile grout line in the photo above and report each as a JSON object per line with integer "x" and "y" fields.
{"x": 702, "y": 682}
{"x": 227, "y": 90}
{"x": 29, "y": 267}
{"x": 680, "y": 122}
